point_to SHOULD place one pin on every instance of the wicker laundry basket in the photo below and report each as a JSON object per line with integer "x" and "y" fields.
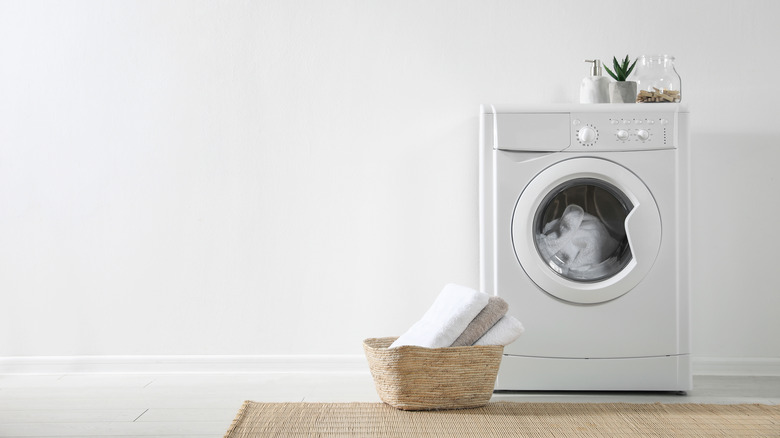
{"x": 416, "y": 378}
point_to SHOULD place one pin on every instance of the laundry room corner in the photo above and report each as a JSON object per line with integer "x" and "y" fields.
{"x": 259, "y": 186}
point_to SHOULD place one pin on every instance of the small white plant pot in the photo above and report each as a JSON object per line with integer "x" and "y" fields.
{"x": 622, "y": 92}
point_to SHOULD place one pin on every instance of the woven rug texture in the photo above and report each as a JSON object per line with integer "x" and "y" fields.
{"x": 506, "y": 419}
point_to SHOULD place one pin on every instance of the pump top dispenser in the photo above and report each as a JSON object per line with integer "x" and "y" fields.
{"x": 594, "y": 88}
{"x": 595, "y": 69}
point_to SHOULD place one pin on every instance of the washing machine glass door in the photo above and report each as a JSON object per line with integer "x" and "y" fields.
{"x": 586, "y": 230}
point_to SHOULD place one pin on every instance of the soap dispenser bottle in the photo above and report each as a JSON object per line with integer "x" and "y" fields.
{"x": 594, "y": 88}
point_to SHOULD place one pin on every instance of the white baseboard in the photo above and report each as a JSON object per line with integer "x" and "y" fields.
{"x": 301, "y": 364}
{"x": 209, "y": 364}
{"x": 735, "y": 366}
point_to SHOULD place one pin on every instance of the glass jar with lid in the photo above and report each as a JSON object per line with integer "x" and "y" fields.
{"x": 657, "y": 80}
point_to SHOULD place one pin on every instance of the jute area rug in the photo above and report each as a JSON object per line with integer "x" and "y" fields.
{"x": 506, "y": 419}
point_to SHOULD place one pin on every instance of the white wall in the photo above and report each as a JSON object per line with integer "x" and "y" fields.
{"x": 280, "y": 177}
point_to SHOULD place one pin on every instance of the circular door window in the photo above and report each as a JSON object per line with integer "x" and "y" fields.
{"x": 586, "y": 230}
{"x": 579, "y": 230}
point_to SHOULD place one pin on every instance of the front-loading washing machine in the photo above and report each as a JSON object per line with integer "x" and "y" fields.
{"x": 584, "y": 231}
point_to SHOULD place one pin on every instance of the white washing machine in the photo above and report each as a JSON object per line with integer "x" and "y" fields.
{"x": 584, "y": 231}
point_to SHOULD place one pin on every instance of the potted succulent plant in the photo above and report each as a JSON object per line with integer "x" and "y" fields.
{"x": 621, "y": 91}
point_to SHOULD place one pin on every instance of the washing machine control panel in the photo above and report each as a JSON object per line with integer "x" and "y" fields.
{"x": 607, "y": 131}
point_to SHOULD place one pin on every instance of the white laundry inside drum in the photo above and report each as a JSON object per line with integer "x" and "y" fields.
{"x": 579, "y": 230}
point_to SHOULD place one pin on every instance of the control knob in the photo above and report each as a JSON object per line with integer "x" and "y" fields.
{"x": 586, "y": 134}
{"x": 622, "y": 134}
{"x": 642, "y": 134}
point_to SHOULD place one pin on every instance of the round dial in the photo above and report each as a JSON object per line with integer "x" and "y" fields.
{"x": 622, "y": 134}
{"x": 586, "y": 134}
{"x": 642, "y": 134}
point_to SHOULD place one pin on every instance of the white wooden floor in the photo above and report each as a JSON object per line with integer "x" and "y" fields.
{"x": 203, "y": 405}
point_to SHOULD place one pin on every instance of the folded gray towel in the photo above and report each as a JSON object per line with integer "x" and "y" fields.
{"x": 495, "y": 310}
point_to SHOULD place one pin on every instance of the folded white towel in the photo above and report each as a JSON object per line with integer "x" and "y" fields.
{"x": 446, "y": 319}
{"x": 506, "y": 331}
